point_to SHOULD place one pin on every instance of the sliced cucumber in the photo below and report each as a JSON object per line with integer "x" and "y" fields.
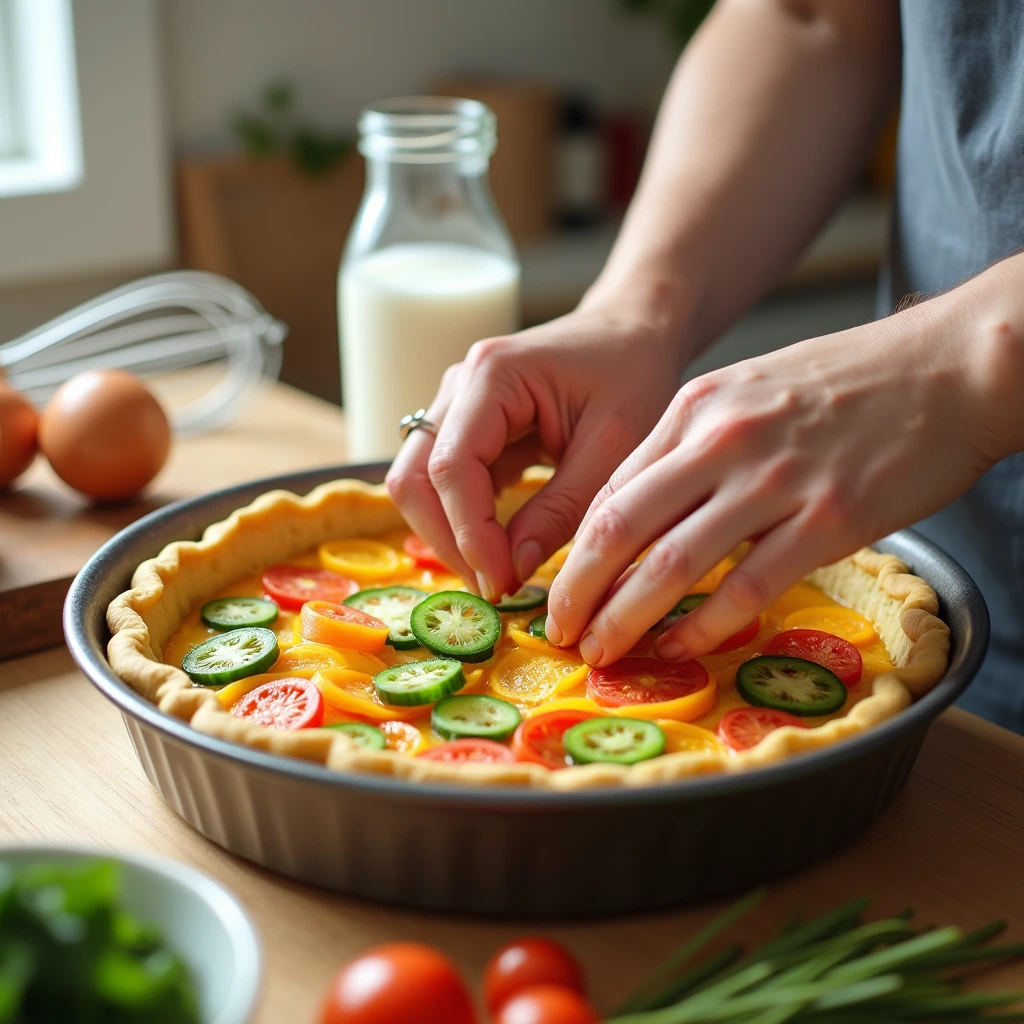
{"x": 539, "y": 627}
{"x": 392, "y": 605}
{"x": 790, "y": 684}
{"x": 419, "y": 682}
{"x": 613, "y": 741}
{"x": 233, "y": 612}
{"x": 230, "y": 656}
{"x": 685, "y": 606}
{"x": 362, "y": 734}
{"x": 456, "y": 624}
{"x": 525, "y": 598}
{"x": 475, "y": 715}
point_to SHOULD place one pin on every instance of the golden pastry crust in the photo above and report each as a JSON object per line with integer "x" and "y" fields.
{"x": 279, "y": 525}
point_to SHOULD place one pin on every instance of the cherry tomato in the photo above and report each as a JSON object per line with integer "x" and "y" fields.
{"x": 835, "y": 653}
{"x": 546, "y": 1004}
{"x": 740, "y": 639}
{"x": 291, "y": 586}
{"x": 462, "y": 751}
{"x": 324, "y": 622}
{"x": 539, "y": 739}
{"x": 290, "y": 703}
{"x": 743, "y": 728}
{"x": 400, "y": 983}
{"x": 645, "y": 681}
{"x": 422, "y": 553}
{"x": 526, "y": 963}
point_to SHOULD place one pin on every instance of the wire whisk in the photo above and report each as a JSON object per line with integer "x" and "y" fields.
{"x": 152, "y": 327}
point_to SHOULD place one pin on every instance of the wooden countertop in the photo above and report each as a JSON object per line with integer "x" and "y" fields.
{"x": 951, "y": 845}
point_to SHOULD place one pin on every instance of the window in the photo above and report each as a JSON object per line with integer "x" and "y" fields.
{"x": 40, "y": 141}
{"x": 85, "y": 167}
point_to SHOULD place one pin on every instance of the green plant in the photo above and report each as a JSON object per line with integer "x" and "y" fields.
{"x": 680, "y": 17}
{"x": 277, "y": 128}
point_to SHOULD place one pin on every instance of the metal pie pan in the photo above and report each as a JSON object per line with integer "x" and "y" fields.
{"x": 510, "y": 851}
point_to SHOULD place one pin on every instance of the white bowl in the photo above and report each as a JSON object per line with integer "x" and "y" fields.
{"x": 201, "y": 921}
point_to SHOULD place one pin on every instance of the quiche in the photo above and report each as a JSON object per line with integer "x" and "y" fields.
{"x": 320, "y": 628}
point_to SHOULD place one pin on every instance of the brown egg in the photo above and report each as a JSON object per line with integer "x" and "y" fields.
{"x": 19, "y": 423}
{"x": 105, "y": 434}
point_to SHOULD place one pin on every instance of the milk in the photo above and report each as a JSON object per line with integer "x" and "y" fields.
{"x": 408, "y": 312}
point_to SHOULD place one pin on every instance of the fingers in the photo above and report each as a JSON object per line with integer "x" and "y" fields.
{"x": 408, "y": 481}
{"x": 672, "y": 566}
{"x": 551, "y": 517}
{"x": 786, "y": 554}
{"x": 491, "y": 407}
{"x": 618, "y": 531}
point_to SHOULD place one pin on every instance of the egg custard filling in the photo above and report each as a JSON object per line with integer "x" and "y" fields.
{"x": 321, "y": 628}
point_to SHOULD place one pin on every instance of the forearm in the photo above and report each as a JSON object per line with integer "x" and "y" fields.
{"x": 767, "y": 119}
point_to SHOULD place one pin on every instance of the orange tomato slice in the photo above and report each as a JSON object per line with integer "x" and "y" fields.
{"x": 534, "y": 643}
{"x": 681, "y": 709}
{"x": 308, "y": 656}
{"x": 403, "y": 737}
{"x": 229, "y": 695}
{"x": 569, "y": 704}
{"x": 364, "y": 560}
{"x": 844, "y": 622}
{"x": 525, "y": 678}
{"x": 353, "y": 693}
{"x": 341, "y": 626}
{"x": 682, "y": 736}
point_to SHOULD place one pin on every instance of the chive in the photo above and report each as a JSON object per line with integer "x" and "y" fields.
{"x": 895, "y": 956}
{"x": 648, "y": 995}
{"x": 697, "y": 975}
{"x": 860, "y": 992}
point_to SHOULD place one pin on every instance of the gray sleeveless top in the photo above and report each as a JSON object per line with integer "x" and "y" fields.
{"x": 959, "y": 207}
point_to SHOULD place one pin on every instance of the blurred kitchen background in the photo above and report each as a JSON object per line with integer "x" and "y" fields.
{"x": 139, "y": 135}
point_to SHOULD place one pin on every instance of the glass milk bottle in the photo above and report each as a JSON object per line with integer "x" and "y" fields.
{"x": 429, "y": 267}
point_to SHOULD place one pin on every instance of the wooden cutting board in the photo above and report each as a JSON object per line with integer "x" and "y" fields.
{"x": 48, "y": 532}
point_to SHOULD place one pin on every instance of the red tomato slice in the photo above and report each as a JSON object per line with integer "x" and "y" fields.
{"x": 526, "y": 963}
{"x": 740, "y": 639}
{"x": 827, "y": 649}
{"x": 645, "y": 681}
{"x": 291, "y": 586}
{"x": 461, "y": 751}
{"x": 743, "y": 728}
{"x": 289, "y": 703}
{"x": 539, "y": 739}
{"x": 422, "y": 553}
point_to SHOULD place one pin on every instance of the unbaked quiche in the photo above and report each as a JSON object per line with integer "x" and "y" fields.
{"x": 320, "y": 628}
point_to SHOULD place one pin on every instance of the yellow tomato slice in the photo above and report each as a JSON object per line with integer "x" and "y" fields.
{"x": 556, "y": 561}
{"x": 310, "y": 656}
{"x": 844, "y": 622}
{"x": 570, "y": 704}
{"x": 364, "y": 560}
{"x": 402, "y": 737}
{"x": 229, "y": 695}
{"x": 682, "y": 736}
{"x": 534, "y": 643}
{"x": 341, "y": 626}
{"x": 526, "y": 678}
{"x": 353, "y": 692}
{"x": 682, "y": 709}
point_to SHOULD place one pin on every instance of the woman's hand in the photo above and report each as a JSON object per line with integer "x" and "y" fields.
{"x": 581, "y": 391}
{"x": 815, "y": 450}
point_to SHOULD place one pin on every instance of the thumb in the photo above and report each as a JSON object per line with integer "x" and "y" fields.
{"x": 551, "y": 517}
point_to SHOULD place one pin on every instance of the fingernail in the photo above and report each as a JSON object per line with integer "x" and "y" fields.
{"x": 486, "y": 591}
{"x": 551, "y": 631}
{"x": 672, "y": 650}
{"x": 529, "y": 555}
{"x": 591, "y": 651}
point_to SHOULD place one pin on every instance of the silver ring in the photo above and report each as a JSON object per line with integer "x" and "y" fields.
{"x": 416, "y": 420}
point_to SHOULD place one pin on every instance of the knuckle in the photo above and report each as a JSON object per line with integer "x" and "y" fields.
{"x": 746, "y": 590}
{"x": 486, "y": 353}
{"x": 666, "y": 563}
{"x": 609, "y": 626}
{"x": 399, "y": 484}
{"x": 616, "y": 437}
{"x": 779, "y": 475}
{"x": 608, "y": 529}
{"x": 692, "y": 628}
{"x": 560, "y": 513}
{"x": 833, "y": 506}
{"x": 443, "y": 465}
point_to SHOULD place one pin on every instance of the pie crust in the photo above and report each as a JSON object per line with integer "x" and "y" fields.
{"x": 279, "y": 525}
